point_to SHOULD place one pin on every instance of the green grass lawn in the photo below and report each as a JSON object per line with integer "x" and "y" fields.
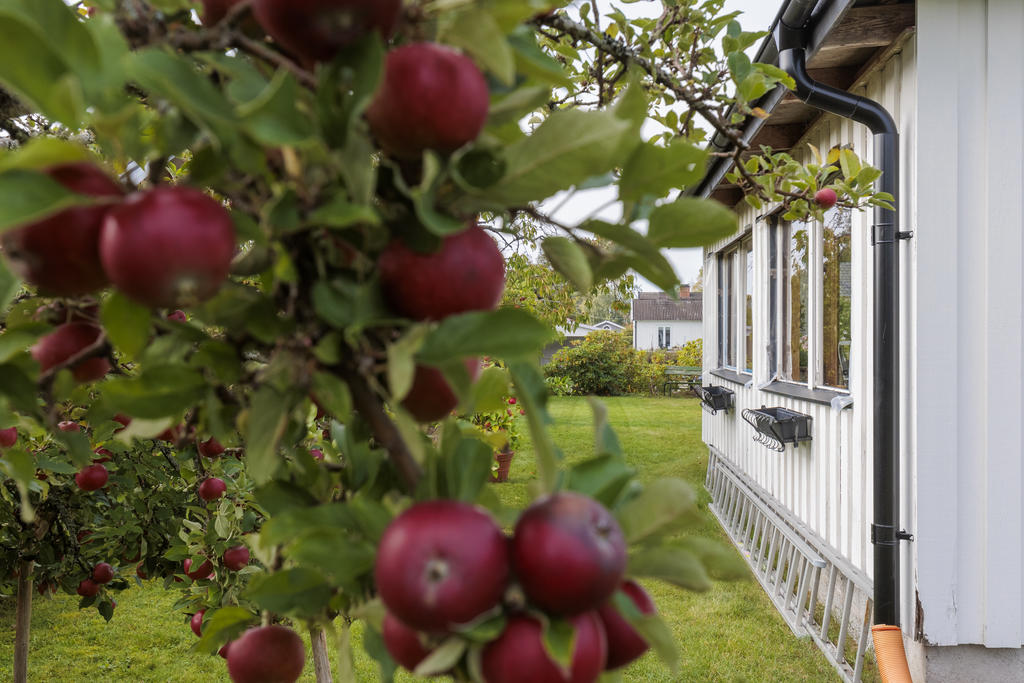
{"x": 730, "y": 633}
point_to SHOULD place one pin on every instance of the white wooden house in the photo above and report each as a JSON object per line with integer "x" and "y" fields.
{"x": 790, "y": 322}
{"x": 663, "y": 322}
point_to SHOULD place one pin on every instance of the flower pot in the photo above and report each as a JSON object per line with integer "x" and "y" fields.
{"x": 504, "y": 460}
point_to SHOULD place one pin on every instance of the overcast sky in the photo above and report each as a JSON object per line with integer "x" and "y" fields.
{"x": 757, "y": 16}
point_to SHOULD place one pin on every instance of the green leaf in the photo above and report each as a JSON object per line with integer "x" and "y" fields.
{"x": 606, "y": 441}
{"x": 559, "y": 638}
{"x": 443, "y": 658}
{"x": 662, "y": 503}
{"x": 268, "y": 416}
{"x": 476, "y": 31}
{"x": 655, "y": 171}
{"x": 530, "y": 389}
{"x": 677, "y": 566}
{"x": 568, "y": 258}
{"x": 652, "y": 628}
{"x": 299, "y": 592}
{"x": 19, "y": 389}
{"x": 532, "y": 61}
{"x": 373, "y": 643}
{"x": 19, "y": 340}
{"x": 339, "y": 213}
{"x": 161, "y": 391}
{"x": 223, "y": 625}
{"x": 335, "y": 553}
{"x": 401, "y": 362}
{"x": 490, "y": 390}
{"x": 505, "y": 333}
{"x": 9, "y": 286}
{"x": 278, "y": 116}
{"x": 690, "y": 222}
{"x": 333, "y": 395}
{"x": 27, "y": 196}
{"x": 127, "y": 324}
{"x": 468, "y": 470}
{"x": 602, "y": 478}
{"x": 849, "y": 163}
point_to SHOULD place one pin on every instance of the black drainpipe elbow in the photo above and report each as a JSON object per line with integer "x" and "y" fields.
{"x": 791, "y": 34}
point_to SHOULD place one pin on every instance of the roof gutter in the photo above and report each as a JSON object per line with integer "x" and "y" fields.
{"x": 791, "y": 35}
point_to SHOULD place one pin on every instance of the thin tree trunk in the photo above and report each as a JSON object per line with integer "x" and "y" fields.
{"x": 23, "y": 621}
{"x": 321, "y": 661}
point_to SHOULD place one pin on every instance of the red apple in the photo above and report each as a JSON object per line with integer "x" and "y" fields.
{"x": 66, "y": 342}
{"x": 315, "y": 30}
{"x": 212, "y": 489}
{"x": 69, "y": 426}
{"x": 88, "y": 588}
{"x": 215, "y": 10}
{"x": 568, "y": 553}
{"x": 178, "y": 317}
{"x": 826, "y": 198}
{"x": 224, "y": 650}
{"x": 236, "y": 558}
{"x": 624, "y": 643}
{"x": 92, "y": 477}
{"x": 466, "y": 274}
{"x": 441, "y": 563}
{"x": 196, "y": 622}
{"x": 317, "y": 454}
{"x": 403, "y": 643}
{"x": 203, "y": 571}
{"x": 210, "y": 448}
{"x": 45, "y": 587}
{"x": 103, "y": 573}
{"x": 60, "y": 253}
{"x": 105, "y": 456}
{"x": 121, "y": 419}
{"x": 8, "y": 437}
{"x": 265, "y": 654}
{"x": 431, "y": 397}
{"x": 171, "y": 434}
{"x": 519, "y": 655}
{"x": 169, "y": 247}
{"x": 431, "y": 97}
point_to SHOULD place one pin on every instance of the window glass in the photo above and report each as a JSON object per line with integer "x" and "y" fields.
{"x": 668, "y": 337}
{"x": 727, "y": 329}
{"x": 661, "y": 337}
{"x": 795, "y": 308}
{"x": 836, "y": 298}
{"x": 748, "y": 313}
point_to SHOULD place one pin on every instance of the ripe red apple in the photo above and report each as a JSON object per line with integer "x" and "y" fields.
{"x": 105, "y": 456}
{"x": 466, "y": 274}
{"x": 431, "y": 397}
{"x": 92, "y": 477}
{"x": 403, "y": 643}
{"x": 519, "y": 655}
{"x": 210, "y": 448}
{"x": 171, "y": 434}
{"x": 103, "y": 573}
{"x": 441, "y": 563}
{"x": 431, "y": 97}
{"x": 317, "y": 454}
{"x": 203, "y": 571}
{"x": 8, "y": 437}
{"x": 45, "y": 587}
{"x": 214, "y": 10}
{"x": 315, "y": 30}
{"x": 69, "y": 426}
{"x": 223, "y": 651}
{"x": 121, "y": 419}
{"x": 178, "y": 316}
{"x": 212, "y": 489}
{"x": 67, "y": 341}
{"x": 624, "y": 643}
{"x": 568, "y": 553}
{"x": 236, "y": 558}
{"x": 88, "y": 588}
{"x": 169, "y": 247}
{"x": 826, "y": 198}
{"x": 267, "y": 653}
{"x": 196, "y": 622}
{"x": 60, "y": 253}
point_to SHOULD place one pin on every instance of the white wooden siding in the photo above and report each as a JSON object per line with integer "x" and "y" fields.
{"x": 969, "y": 402}
{"x": 826, "y": 482}
{"x": 680, "y": 331}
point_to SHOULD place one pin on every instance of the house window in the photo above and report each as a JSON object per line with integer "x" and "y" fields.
{"x": 811, "y": 295}
{"x": 748, "y": 307}
{"x": 664, "y": 337}
{"x": 726, "y": 311}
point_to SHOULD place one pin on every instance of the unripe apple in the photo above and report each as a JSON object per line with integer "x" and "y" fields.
{"x": 203, "y": 571}
{"x": 267, "y": 653}
{"x": 431, "y": 97}
{"x": 102, "y": 573}
{"x": 624, "y": 643}
{"x": 212, "y": 489}
{"x": 568, "y": 553}
{"x": 92, "y": 477}
{"x": 826, "y": 198}
{"x": 519, "y": 655}
{"x": 431, "y": 397}
{"x": 196, "y": 622}
{"x": 315, "y": 30}
{"x": 88, "y": 588}
{"x": 441, "y": 563}
{"x": 466, "y": 274}
{"x": 67, "y": 341}
{"x": 210, "y": 448}
{"x": 236, "y": 558}
{"x": 60, "y": 253}
{"x": 169, "y": 247}
{"x": 403, "y": 643}
{"x": 8, "y": 437}
{"x": 69, "y": 426}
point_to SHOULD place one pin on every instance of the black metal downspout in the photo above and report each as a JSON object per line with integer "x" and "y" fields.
{"x": 790, "y": 37}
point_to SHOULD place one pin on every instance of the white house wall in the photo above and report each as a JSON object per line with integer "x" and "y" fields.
{"x": 681, "y": 331}
{"x": 970, "y": 402}
{"x": 826, "y": 482}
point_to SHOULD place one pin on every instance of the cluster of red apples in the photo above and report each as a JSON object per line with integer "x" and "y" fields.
{"x": 444, "y": 565}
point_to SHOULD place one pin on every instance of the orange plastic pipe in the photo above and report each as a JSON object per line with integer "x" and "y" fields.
{"x": 890, "y": 655}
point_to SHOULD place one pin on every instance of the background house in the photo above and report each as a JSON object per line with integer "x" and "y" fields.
{"x": 575, "y": 334}
{"x": 661, "y": 322}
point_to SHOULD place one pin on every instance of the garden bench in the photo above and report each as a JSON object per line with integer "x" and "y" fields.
{"x": 681, "y": 376}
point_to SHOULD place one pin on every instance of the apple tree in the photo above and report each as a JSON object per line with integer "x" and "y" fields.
{"x": 277, "y": 220}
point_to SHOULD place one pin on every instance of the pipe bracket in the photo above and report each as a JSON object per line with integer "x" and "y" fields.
{"x": 889, "y": 535}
